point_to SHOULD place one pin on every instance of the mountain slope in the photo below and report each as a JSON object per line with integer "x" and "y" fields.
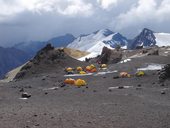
{"x": 30, "y": 47}
{"x": 11, "y": 58}
{"x": 148, "y": 38}
{"x": 62, "y": 41}
{"x": 75, "y": 53}
{"x": 47, "y": 60}
{"x": 97, "y": 40}
{"x": 33, "y": 46}
{"x": 145, "y": 38}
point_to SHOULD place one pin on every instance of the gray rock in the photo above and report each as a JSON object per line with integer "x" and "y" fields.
{"x": 162, "y": 92}
{"x": 25, "y": 95}
{"x": 164, "y": 73}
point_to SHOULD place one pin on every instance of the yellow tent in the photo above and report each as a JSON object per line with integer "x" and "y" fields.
{"x": 140, "y": 73}
{"x": 80, "y": 82}
{"x": 82, "y": 72}
{"x": 69, "y": 69}
{"x": 69, "y": 81}
{"x": 124, "y": 74}
{"x": 103, "y": 66}
{"x": 79, "y": 69}
{"x": 92, "y": 66}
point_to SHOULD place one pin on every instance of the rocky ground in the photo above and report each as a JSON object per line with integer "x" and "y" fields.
{"x": 138, "y": 102}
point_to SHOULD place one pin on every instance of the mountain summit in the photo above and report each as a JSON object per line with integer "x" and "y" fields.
{"x": 95, "y": 41}
{"x": 145, "y": 38}
{"x": 149, "y": 38}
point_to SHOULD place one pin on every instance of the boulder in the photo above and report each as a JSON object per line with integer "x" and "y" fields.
{"x": 164, "y": 73}
{"x": 110, "y": 56}
{"x": 25, "y": 95}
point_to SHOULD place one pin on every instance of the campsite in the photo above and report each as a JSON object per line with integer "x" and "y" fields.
{"x": 70, "y": 93}
{"x": 84, "y": 64}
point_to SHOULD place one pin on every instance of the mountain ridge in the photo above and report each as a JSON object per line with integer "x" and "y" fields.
{"x": 32, "y": 47}
{"x": 91, "y": 43}
{"x": 11, "y": 58}
{"x": 98, "y": 39}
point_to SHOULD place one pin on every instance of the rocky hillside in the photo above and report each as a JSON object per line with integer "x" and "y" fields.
{"x": 47, "y": 59}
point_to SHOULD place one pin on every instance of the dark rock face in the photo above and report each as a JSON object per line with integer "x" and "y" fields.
{"x": 47, "y": 48}
{"x": 110, "y": 56}
{"x": 117, "y": 40}
{"x": 145, "y": 39}
{"x": 164, "y": 73}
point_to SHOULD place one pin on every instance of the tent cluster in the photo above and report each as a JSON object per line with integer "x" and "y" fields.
{"x": 78, "y": 82}
{"x": 127, "y": 75}
{"x": 84, "y": 70}
{"x": 91, "y": 68}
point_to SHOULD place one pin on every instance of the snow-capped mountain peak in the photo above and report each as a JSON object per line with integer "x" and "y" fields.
{"x": 145, "y": 38}
{"x": 116, "y": 39}
{"x": 105, "y": 32}
{"x": 95, "y": 41}
{"x": 148, "y": 38}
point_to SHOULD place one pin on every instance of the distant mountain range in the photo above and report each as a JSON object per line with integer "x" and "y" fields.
{"x": 33, "y": 46}
{"x": 22, "y": 52}
{"x": 95, "y": 41}
{"x": 91, "y": 43}
{"x": 11, "y": 58}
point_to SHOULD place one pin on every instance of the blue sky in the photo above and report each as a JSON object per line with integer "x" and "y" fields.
{"x": 25, "y": 20}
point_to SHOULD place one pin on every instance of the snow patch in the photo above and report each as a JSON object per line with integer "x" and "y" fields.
{"x": 152, "y": 67}
{"x": 162, "y": 39}
{"x": 90, "y": 74}
{"x": 104, "y": 73}
{"x": 53, "y": 88}
{"x": 23, "y": 98}
{"x": 91, "y": 55}
{"x": 125, "y": 61}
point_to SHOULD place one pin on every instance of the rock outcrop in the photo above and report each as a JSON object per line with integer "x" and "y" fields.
{"x": 110, "y": 56}
{"x": 164, "y": 73}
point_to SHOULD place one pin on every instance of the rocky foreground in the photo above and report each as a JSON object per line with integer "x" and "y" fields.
{"x": 38, "y": 98}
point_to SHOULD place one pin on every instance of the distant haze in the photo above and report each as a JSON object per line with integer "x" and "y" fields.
{"x": 25, "y": 20}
